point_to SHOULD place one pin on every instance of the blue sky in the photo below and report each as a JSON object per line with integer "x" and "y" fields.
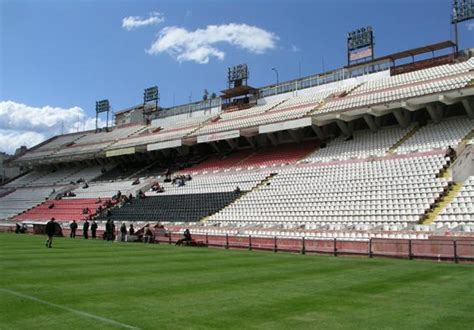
{"x": 67, "y": 54}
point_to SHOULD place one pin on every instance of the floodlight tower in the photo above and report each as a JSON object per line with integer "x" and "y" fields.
{"x": 101, "y": 106}
{"x": 463, "y": 10}
{"x": 150, "y": 94}
{"x": 360, "y": 45}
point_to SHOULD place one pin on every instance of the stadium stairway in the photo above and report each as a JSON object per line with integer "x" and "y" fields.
{"x": 445, "y": 198}
{"x": 393, "y": 148}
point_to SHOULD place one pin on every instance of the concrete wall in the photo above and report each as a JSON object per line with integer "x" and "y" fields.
{"x": 463, "y": 168}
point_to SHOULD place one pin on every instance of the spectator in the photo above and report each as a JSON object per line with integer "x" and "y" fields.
{"x": 147, "y": 238}
{"x": 135, "y": 182}
{"x": 237, "y": 190}
{"x": 112, "y": 230}
{"x": 131, "y": 230}
{"x": 99, "y": 201}
{"x": 73, "y": 227}
{"x": 50, "y": 231}
{"x": 187, "y": 238}
{"x": 85, "y": 230}
{"x": 50, "y": 206}
{"x": 85, "y": 186}
{"x": 451, "y": 153}
{"x": 123, "y": 232}
{"x": 93, "y": 229}
{"x": 107, "y": 230}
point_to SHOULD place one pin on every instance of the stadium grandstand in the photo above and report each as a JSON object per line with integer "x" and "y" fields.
{"x": 356, "y": 153}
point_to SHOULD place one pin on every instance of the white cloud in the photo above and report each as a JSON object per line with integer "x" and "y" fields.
{"x": 470, "y": 26}
{"x": 132, "y": 22}
{"x": 200, "y": 45}
{"x": 21, "y": 124}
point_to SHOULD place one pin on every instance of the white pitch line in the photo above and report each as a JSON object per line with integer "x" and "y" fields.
{"x": 71, "y": 310}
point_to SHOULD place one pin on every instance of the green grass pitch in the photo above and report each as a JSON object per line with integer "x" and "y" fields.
{"x": 99, "y": 285}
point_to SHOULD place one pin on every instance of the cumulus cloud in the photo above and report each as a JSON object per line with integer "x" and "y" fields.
{"x": 132, "y": 22}
{"x": 200, "y": 45}
{"x": 21, "y": 124}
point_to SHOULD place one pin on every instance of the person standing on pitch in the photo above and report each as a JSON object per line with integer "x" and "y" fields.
{"x": 85, "y": 229}
{"x": 123, "y": 232}
{"x": 73, "y": 227}
{"x": 93, "y": 229}
{"x": 50, "y": 230}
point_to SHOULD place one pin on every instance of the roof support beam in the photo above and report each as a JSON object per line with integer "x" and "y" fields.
{"x": 346, "y": 129}
{"x": 436, "y": 112}
{"x": 296, "y": 135}
{"x": 273, "y": 139}
{"x": 319, "y": 132}
{"x": 402, "y": 116}
{"x": 371, "y": 123}
{"x": 214, "y": 146}
{"x": 231, "y": 143}
{"x": 250, "y": 141}
{"x": 468, "y": 105}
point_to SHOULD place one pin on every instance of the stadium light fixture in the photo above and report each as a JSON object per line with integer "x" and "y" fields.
{"x": 463, "y": 10}
{"x": 101, "y": 106}
{"x": 277, "y": 77}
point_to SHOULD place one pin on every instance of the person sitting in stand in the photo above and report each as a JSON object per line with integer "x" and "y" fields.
{"x": 85, "y": 186}
{"x": 98, "y": 201}
{"x": 135, "y": 182}
{"x": 148, "y": 235}
{"x": 50, "y": 206}
{"x": 131, "y": 230}
{"x": 119, "y": 194}
{"x": 237, "y": 190}
{"x": 188, "y": 177}
{"x": 451, "y": 153}
{"x": 130, "y": 197}
{"x": 187, "y": 238}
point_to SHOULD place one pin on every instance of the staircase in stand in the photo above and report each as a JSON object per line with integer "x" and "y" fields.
{"x": 393, "y": 148}
{"x": 445, "y": 198}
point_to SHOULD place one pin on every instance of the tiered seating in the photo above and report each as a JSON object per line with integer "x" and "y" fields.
{"x": 22, "y": 199}
{"x": 87, "y": 173}
{"x": 5, "y": 191}
{"x": 173, "y": 208}
{"x": 26, "y": 179}
{"x": 218, "y": 163}
{"x": 364, "y": 144}
{"x": 391, "y": 191}
{"x": 50, "y": 147}
{"x": 461, "y": 208}
{"x": 281, "y": 155}
{"x": 236, "y": 119}
{"x": 416, "y": 76}
{"x": 60, "y": 177}
{"x": 108, "y": 189}
{"x": 96, "y": 142}
{"x": 201, "y": 184}
{"x": 63, "y": 210}
{"x": 168, "y": 131}
{"x": 397, "y": 93}
{"x": 448, "y": 132}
